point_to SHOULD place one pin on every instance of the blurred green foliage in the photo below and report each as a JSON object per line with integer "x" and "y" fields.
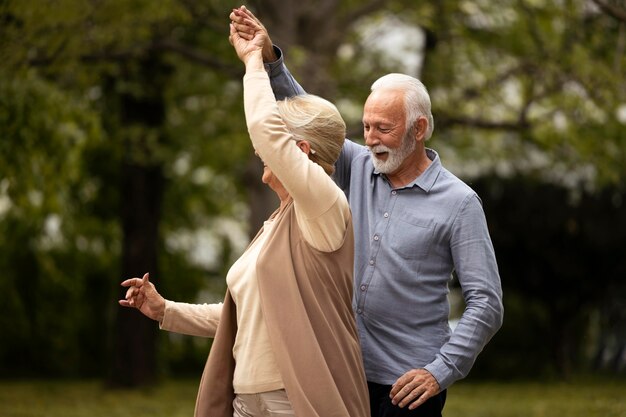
{"x": 83, "y": 93}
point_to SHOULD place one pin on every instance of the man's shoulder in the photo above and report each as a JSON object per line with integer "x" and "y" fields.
{"x": 453, "y": 185}
{"x": 356, "y": 155}
{"x": 355, "y": 149}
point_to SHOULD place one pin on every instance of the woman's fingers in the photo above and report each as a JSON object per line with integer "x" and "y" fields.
{"x": 130, "y": 293}
{"x": 132, "y": 282}
{"x": 133, "y": 296}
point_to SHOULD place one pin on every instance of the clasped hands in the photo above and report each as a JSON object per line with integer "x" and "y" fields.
{"x": 248, "y": 36}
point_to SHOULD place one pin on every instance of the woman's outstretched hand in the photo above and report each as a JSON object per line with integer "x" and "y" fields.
{"x": 143, "y": 296}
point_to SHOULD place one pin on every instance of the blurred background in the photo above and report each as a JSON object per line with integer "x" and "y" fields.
{"x": 123, "y": 150}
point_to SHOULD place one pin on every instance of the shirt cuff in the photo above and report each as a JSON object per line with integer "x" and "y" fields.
{"x": 442, "y": 373}
{"x": 166, "y": 323}
{"x": 273, "y": 67}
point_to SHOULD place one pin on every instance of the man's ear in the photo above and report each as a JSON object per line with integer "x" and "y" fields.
{"x": 420, "y": 126}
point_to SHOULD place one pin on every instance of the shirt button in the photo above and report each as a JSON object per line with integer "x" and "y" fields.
{"x": 375, "y": 237}
{"x": 363, "y": 287}
{"x": 371, "y": 262}
{"x": 359, "y": 311}
{"x": 386, "y": 215}
{"x": 393, "y": 192}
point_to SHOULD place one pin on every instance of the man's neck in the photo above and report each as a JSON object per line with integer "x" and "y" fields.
{"x": 412, "y": 167}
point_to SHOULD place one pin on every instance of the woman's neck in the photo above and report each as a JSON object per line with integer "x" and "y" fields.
{"x": 284, "y": 200}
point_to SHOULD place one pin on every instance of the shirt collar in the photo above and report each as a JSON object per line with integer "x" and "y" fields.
{"x": 426, "y": 180}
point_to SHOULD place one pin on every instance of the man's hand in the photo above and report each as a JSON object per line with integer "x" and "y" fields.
{"x": 238, "y": 19}
{"x": 414, "y": 388}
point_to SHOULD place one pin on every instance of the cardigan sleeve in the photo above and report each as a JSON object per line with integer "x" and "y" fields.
{"x": 191, "y": 319}
{"x": 321, "y": 207}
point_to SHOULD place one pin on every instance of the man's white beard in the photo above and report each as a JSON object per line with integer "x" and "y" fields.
{"x": 395, "y": 156}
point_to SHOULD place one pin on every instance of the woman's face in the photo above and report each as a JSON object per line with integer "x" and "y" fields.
{"x": 268, "y": 176}
{"x": 271, "y": 180}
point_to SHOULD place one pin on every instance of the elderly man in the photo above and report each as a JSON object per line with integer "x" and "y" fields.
{"x": 415, "y": 223}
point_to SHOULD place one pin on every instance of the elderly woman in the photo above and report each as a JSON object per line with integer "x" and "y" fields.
{"x": 285, "y": 335}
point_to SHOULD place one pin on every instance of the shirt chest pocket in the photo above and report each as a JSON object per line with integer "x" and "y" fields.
{"x": 410, "y": 236}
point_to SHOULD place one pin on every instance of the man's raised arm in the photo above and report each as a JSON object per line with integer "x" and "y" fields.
{"x": 283, "y": 83}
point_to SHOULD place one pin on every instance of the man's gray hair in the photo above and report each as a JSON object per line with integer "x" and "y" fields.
{"x": 416, "y": 98}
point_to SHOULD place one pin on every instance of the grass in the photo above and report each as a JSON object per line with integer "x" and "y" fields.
{"x": 175, "y": 398}
{"x": 91, "y": 399}
{"x": 574, "y": 399}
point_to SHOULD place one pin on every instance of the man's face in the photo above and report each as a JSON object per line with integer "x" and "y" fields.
{"x": 384, "y": 129}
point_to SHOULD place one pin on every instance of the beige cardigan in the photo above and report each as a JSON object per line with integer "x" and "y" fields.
{"x": 306, "y": 296}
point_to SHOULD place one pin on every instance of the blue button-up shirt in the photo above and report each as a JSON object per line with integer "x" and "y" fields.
{"x": 408, "y": 242}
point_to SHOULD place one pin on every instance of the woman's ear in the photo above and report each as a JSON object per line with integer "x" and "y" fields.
{"x": 304, "y": 146}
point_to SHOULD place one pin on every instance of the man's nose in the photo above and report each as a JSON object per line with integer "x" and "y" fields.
{"x": 370, "y": 138}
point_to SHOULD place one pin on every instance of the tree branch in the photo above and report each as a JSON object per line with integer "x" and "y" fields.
{"x": 165, "y": 45}
{"x": 611, "y": 10}
{"x": 449, "y": 121}
{"x": 197, "y": 56}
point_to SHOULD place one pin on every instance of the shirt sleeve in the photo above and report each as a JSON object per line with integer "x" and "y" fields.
{"x": 191, "y": 319}
{"x": 477, "y": 271}
{"x": 283, "y": 83}
{"x": 343, "y": 166}
{"x": 321, "y": 207}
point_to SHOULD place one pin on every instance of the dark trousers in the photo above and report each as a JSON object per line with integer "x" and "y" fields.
{"x": 380, "y": 404}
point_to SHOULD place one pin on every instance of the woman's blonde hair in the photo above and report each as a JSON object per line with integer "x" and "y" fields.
{"x": 311, "y": 118}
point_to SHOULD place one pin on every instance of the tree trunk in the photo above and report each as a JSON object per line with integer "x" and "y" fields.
{"x": 134, "y": 362}
{"x": 140, "y": 111}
